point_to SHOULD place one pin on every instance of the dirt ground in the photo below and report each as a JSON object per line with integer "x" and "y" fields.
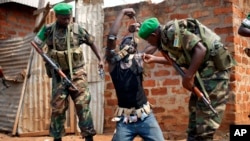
{"x": 100, "y": 137}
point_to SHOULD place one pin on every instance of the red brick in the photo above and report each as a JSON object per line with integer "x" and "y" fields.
{"x": 158, "y": 109}
{"x": 159, "y": 91}
{"x": 110, "y": 85}
{"x": 200, "y": 13}
{"x": 178, "y": 16}
{"x": 211, "y": 21}
{"x": 222, "y": 10}
{"x": 146, "y": 92}
{"x": 111, "y": 102}
{"x": 109, "y": 111}
{"x": 169, "y": 82}
{"x": 168, "y": 100}
{"x": 179, "y": 90}
{"x": 149, "y": 83}
{"x": 211, "y": 3}
{"x": 107, "y": 93}
{"x": 152, "y": 100}
{"x": 162, "y": 73}
{"x": 188, "y": 6}
{"x": 223, "y": 30}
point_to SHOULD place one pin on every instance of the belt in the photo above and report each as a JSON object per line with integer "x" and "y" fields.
{"x": 132, "y": 114}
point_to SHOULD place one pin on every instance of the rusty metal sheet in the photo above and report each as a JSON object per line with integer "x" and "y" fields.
{"x": 14, "y": 56}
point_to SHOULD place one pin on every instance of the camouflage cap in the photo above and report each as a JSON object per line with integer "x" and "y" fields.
{"x": 147, "y": 27}
{"x": 63, "y": 9}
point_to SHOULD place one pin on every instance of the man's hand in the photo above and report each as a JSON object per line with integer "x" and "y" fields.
{"x": 134, "y": 27}
{"x": 130, "y": 12}
{"x": 188, "y": 82}
{"x": 148, "y": 58}
{"x": 101, "y": 69}
{"x": 100, "y": 64}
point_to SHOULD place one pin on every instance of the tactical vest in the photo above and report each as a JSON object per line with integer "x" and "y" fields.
{"x": 57, "y": 46}
{"x": 217, "y": 52}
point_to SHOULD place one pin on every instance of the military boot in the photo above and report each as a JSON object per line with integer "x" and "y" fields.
{"x": 59, "y": 139}
{"x": 89, "y": 138}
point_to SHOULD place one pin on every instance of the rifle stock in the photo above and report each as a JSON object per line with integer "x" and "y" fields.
{"x": 195, "y": 90}
{"x": 48, "y": 60}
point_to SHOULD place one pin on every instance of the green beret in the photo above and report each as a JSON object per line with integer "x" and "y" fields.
{"x": 148, "y": 27}
{"x": 63, "y": 9}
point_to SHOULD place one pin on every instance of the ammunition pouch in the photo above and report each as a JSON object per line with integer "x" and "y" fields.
{"x": 61, "y": 57}
{"x": 221, "y": 56}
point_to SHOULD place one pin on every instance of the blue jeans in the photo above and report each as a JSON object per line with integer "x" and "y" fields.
{"x": 148, "y": 129}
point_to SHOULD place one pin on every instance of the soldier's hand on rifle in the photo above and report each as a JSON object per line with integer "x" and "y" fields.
{"x": 188, "y": 81}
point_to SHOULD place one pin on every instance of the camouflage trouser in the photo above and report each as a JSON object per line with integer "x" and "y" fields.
{"x": 81, "y": 101}
{"x": 202, "y": 121}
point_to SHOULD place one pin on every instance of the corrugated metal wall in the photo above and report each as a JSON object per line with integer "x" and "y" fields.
{"x": 90, "y": 16}
{"x": 14, "y": 56}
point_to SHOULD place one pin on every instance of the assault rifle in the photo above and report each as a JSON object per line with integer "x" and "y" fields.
{"x": 48, "y": 60}
{"x": 195, "y": 90}
{"x": 3, "y": 78}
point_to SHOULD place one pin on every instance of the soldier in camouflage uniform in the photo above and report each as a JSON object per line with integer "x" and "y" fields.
{"x": 63, "y": 37}
{"x": 197, "y": 49}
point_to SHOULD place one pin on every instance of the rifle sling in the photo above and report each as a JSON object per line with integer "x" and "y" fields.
{"x": 69, "y": 52}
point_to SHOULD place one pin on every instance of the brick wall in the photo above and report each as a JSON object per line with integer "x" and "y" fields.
{"x": 163, "y": 85}
{"x": 240, "y": 105}
{"x": 16, "y": 20}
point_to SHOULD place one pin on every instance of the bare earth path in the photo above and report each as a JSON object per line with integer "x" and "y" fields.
{"x": 100, "y": 137}
{"x": 103, "y": 137}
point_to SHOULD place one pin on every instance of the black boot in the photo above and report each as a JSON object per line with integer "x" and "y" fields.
{"x": 89, "y": 138}
{"x": 59, "y": 139}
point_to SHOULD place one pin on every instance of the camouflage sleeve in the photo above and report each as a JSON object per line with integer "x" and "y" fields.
{"x": 85, "y": 37}
{"x": 190, "y": 40}
{"x": 40, "y": 36}
{"x": 246, "y": 21}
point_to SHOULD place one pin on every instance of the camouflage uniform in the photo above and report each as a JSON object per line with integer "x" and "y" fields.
{"x": 56, "y": 42}
{"x": 202, "y": 122}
